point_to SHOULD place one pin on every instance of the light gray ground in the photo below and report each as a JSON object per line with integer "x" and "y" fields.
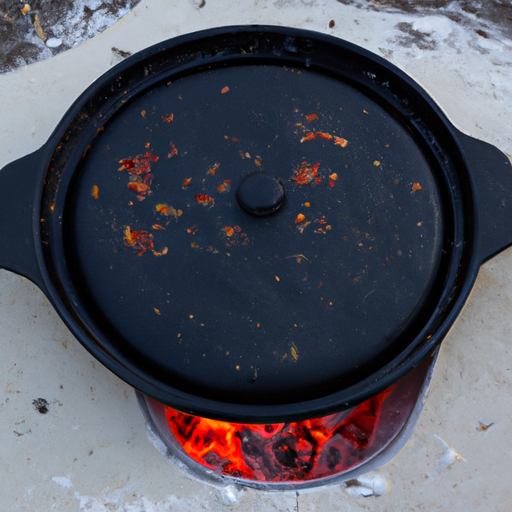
{"x": 90, "y": 450}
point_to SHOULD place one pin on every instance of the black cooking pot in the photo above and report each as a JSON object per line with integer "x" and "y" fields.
{"x": 256, "y": 224}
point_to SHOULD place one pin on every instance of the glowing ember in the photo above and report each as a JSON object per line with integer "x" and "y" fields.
{"x": 299, "y": 451}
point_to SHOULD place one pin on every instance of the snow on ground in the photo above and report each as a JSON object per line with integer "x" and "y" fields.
{"x": 48, "y": 28}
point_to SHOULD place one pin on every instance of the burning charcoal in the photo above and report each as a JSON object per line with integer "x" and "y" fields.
{"x": 299, "y": 451}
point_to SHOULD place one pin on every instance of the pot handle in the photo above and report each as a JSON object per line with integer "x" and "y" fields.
{"x": 491, "y": 173}
{"x": 19, "y": 182}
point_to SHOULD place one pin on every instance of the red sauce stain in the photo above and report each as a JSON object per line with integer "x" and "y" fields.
{"x": 308, "y": 136}
{"x": 323, "y": 135}
{"x": 340, "y": 141}
{"x": 174, "y": 151}
{"x": 141, "y": 164}
{"x": 213, "y": 169}
{"x": 143, "y": 190}
{"x": 305, "y": 174}
{"x": 415, "y": 187}
{"x": 138, "y": 240}
{"x": 224, "y": 186}
{"x": 204, "y": 199}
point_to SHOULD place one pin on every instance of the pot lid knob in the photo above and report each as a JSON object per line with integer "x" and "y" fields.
{"x": 260, "y": 194}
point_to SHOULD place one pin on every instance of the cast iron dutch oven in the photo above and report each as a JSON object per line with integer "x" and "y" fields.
{"x": 256, "y": 224}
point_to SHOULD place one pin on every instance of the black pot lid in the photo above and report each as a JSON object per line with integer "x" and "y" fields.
{"x": 253, "y": 234}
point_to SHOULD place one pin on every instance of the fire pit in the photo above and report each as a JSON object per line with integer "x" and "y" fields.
{"x": 293, "y": 455}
